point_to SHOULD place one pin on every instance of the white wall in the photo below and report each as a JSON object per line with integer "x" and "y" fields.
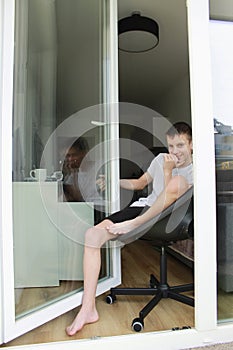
{"x": 222, "y": 70}
{"x": 174, "y": 103}
{"x": 1, "y": 50}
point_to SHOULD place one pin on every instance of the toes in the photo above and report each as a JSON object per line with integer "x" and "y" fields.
{"x": 70, "y": 331}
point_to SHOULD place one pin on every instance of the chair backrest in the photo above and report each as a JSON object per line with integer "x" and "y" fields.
{"x": 173, "y": 224}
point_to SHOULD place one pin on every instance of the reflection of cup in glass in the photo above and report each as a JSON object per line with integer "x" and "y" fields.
{"x": 38, "y": 174}
{"x": 57, "y": 175}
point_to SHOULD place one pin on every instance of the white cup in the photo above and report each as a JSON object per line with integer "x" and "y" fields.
{"x": 38, "y": 174}
{"x": 57, "y": 175}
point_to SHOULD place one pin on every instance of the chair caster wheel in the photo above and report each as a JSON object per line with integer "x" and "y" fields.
{"x": 137, "y": 325}
{"x": 110, "y": 299}
{"x": 152, "y": 281}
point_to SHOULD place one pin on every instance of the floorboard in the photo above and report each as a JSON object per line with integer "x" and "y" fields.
{"x": 139, "y": 259}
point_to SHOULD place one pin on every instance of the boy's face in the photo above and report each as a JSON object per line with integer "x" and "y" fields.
{"x": 181, "y": 147}
{"x": 74, "y": 158}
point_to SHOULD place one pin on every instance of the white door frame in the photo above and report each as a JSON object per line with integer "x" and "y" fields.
{"x": 13, "y": 328}
{"x": 204, "y": 164}
{"x": 206, "y": 331}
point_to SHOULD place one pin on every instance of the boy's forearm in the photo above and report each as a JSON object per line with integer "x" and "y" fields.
{"x": 136, "y": 184}
{"x": 162, "y": 202}
{"x": 166, "y": 198}
{"x": 129, "y": 184}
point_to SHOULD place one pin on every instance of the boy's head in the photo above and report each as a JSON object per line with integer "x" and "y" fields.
{"x": 76, "y": 153}
{"x": 180, "y": 128}
{"x": 179, "y": 140}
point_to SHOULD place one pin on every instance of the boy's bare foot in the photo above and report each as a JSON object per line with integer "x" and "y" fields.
{"x": 122, "y": 227}
{"x": 81, "y": 320}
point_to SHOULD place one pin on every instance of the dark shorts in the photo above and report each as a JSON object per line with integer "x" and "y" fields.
{"x": 127, "y": 213}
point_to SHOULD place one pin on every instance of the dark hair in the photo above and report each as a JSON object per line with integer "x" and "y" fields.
{"x": 80, "y": 144}
{"x": 180, "y": 128}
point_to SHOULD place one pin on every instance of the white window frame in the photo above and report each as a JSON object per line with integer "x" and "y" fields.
{"x": 206, "y": 329}
{"x": 12, "y": 328}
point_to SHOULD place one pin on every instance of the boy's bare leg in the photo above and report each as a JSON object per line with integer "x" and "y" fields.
{"x": 98, "y": 235}
{"x": 175, "y": 188}
{"x": 95, "y": 238}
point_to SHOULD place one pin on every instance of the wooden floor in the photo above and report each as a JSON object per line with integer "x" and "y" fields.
{"x": 139, "y": 259}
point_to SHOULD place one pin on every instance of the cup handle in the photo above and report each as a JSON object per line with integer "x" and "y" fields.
{"x": 61, "y": 177}
{"x": 32, "y": 174}
{"x": 57, "y": 175}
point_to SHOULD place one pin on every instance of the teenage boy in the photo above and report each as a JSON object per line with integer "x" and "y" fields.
{"x": 171, "y": 175}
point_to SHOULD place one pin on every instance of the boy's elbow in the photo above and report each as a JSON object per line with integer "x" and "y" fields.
{"x": 142, "y": 185}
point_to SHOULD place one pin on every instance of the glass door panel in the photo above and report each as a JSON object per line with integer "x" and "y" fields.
{"x": 222, "y": 79}
{"x": 61, "y": 146}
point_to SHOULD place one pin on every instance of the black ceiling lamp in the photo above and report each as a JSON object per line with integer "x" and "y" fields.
{"x": 137, "y": 33}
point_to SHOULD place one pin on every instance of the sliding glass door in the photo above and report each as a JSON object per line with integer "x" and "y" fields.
{"x": 221, "y": 31}
{"x": 61, "y": 146}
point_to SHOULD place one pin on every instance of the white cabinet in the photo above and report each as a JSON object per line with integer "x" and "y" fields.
{"x": 35, "y": 236}
{"x": 74, "y": 218}
{"x": 48, "y": 246}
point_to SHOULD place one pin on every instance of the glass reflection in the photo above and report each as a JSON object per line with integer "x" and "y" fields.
{"x": 58, "y": 72}
{"x": 222, "y": 78}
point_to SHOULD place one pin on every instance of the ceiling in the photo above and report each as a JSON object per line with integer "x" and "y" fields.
{"x": 145, "y": 76}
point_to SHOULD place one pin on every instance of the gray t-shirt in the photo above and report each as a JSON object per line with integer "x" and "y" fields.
{"x": 156, "y": 172}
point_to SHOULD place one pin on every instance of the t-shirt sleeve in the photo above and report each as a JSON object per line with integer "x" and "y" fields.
{"x": 190, "y": 175}
{"x": 156, "y": 165}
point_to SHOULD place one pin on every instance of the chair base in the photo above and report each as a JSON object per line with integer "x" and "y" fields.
{"x": 160, "y": 289}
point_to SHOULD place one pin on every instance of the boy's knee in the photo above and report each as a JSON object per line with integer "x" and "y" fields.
{"x": 177, "y": 186}
{"x": 95, "y": 237}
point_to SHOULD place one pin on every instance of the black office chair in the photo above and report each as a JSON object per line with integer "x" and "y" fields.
{"x": 175, "y": 223}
